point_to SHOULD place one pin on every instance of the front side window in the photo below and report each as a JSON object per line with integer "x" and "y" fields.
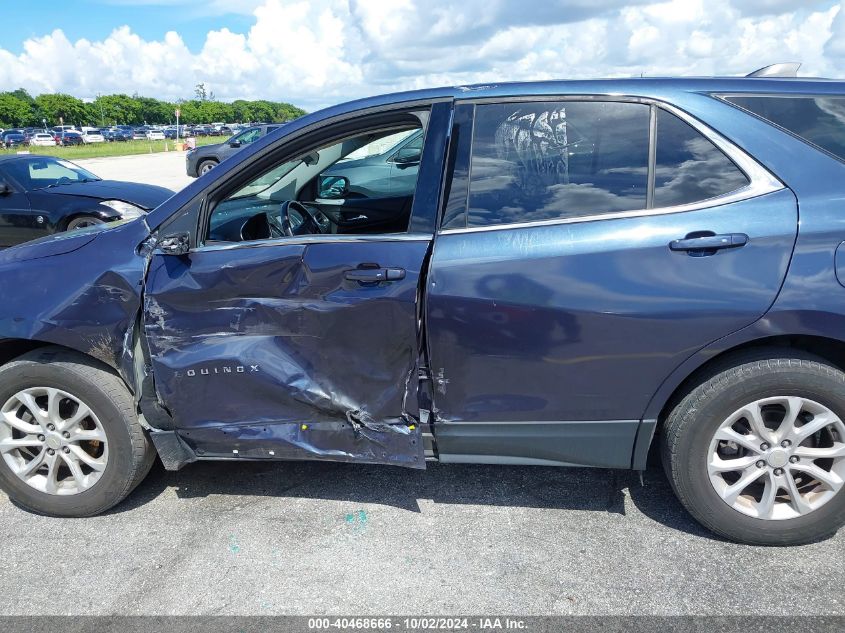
{"x": 817, "y": 120}
{"x": 551, "y": 160}
{"x": 689, "y": 167}
{"x": 247, "y": 136}
{"x": 342, "y": 187}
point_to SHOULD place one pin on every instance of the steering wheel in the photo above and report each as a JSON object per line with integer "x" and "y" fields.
{"x": 282, "y": 224}
{"x": 64, "y": 180}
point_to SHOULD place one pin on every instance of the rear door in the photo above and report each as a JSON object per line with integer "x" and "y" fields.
{"x": 588, "y": 248}
{"x": 301, "y": 347}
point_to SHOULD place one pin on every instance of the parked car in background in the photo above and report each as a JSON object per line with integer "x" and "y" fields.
{"x": 113, "y": 135}
{"x": 13, "y": 138}
{"x": 155, "y": 135}
{"x": 58, "y": 129}
{"x": 203, "y": 159}
{"x": 42, "y": 139}
{"x": 393, "y": 168}
{"x": 92, "y": 136}
{"x": 139, "y": 134}
{"x": 40, "y": 195}
{"x": 68, "y": 138}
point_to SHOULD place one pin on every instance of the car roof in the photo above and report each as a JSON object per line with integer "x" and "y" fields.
{"x": 5, "y": 158}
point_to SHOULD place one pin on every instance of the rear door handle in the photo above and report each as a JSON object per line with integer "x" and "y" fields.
{"x": 709, "y": 242}
{"x": 372, "y": 275}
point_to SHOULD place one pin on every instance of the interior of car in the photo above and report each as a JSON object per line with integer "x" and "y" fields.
{"x": 331, "y": 189}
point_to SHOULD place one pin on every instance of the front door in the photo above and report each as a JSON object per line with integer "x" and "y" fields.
{"x": 16, "y": 218}
{"x": 301, "y": 346}
{"x": 583, "y": 269}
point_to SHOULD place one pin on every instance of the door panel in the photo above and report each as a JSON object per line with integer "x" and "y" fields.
{"x": 17, "y": 221}
{"x": 270, "y": 347}
{"x": 583, "y": 321}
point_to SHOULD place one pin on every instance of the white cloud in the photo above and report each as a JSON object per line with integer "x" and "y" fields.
{"x": 317, "y": 52}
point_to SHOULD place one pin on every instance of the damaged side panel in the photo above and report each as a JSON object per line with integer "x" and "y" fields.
{"x": 90, "y": 303}
{"x": 268, "y": 351}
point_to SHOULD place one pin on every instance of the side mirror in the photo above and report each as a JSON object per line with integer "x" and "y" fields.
{"x": 5, "y": 189}
{"x": 175, "y": 244}
{"x": 407, "y": 156}
{"x": 332, "y": 187}
{"x": 235, "y": 144}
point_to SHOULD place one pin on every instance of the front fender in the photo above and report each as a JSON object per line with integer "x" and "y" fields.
{"x": 82, "y": 292}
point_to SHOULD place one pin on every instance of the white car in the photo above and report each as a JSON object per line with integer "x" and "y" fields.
{"x": 92, "y": 136}
{"x": 42, "y": 139}
{"x": 155, "y": 135}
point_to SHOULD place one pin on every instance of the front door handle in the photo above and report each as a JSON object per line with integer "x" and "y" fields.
{"x": 709, "y": 242}
{"x": 374, "y": 275}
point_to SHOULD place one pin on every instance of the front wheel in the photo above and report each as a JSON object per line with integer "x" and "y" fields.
{"x": 83, "y": 221}
{"x": 206, "y": 166}
{"x": 757, "y": 452}
{"x": 70, "y": 441}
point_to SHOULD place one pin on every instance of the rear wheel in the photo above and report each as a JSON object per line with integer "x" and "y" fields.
{"x": 70, "y": 441}
{"x": 757, "y": 452}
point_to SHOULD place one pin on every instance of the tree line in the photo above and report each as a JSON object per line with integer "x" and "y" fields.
{"x": 20, "y": 109}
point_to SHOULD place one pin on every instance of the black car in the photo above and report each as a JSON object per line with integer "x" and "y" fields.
{"x": 13, "y": 138}
{"x": 68, "y": 138}
{"x": 203, "y": 159}
{"x": 40, "y": 195}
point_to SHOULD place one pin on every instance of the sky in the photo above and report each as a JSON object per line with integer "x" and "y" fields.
{"x": 314, "y": 53}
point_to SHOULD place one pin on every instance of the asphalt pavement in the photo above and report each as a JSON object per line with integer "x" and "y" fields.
{"x": 314, "y": 538}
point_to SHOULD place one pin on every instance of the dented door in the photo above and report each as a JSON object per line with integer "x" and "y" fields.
{"x": 283, "y": 350}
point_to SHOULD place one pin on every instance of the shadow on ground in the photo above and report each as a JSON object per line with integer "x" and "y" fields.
{"x": 580, "y": 489}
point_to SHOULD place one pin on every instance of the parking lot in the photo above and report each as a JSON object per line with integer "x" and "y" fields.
{"x": 306, "y": 538}
{"x": 166, "y": 169}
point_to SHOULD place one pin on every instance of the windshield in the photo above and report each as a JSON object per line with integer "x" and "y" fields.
{"x": 42, "y": 173}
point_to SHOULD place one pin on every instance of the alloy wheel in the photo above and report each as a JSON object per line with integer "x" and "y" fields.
{"x": 52, "y": 441}
{"x": 778, "y": 458}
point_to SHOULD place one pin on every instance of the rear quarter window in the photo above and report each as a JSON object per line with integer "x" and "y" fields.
{"x": 819, "y": 121}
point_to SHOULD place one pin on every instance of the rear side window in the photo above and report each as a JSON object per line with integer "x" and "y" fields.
{"x": 817, "y": 120}
{"x": 688, "y": 166}
{"x": 551, "y": 160}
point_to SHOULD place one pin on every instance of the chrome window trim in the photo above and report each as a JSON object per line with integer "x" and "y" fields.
{"x": 299, "y": 240}
{"x": 760, "y": 180}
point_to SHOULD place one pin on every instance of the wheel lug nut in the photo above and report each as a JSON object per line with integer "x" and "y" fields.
{"x": 66, "y": 449}
{"x": 41, "y": 438}
{"x": 761, "y": 464}
{"x": 51, "y": 427}
{"x": 794, "y": 459}
{"x": 50, "y": 451}
{"x": 786, "y": 444}
{"x": 778, "y": 471}
{"x": 764, "y": 446}
{"x": 66, "y": 435}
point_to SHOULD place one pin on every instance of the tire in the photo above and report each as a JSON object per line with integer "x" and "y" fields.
{"x": 761, "y": 391}
{"x": 206, "y": 166}
{"x": 83, "y": 221}
{"x": 126, "y": 450}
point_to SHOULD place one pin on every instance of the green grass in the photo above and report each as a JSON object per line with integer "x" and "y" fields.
{"x": 97, "y": 150}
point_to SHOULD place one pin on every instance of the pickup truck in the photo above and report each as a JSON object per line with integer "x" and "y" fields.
{"x": 582, "y": 271}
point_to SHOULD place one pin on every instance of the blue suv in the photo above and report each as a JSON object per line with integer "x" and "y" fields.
{"x": 582, "y": 271}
